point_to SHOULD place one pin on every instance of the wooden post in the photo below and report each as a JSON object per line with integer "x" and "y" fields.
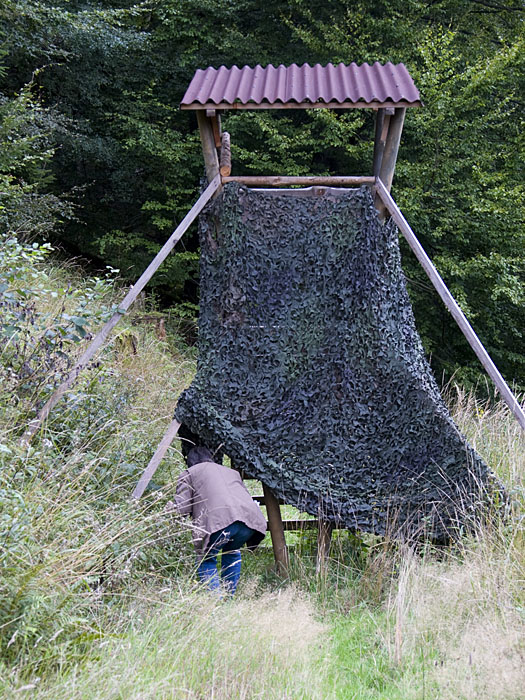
{"x": 161, "y": 450}
{"x": 324, "y": 536}
{"x": 216, "y": 127}
{"x": 451, "y": 304}
{"x": 275, "y": 522}
{"x": 388, "y": 162}
{"x": 211, "y": 160}
{"x": 389, "y": 157}
{"x": 382, "y": 122}
{"x": 128, "y": 300}
{"x": 226, "y": 156}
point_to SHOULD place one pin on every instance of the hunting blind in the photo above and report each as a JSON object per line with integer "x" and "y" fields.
{"x": 311, "y": 375}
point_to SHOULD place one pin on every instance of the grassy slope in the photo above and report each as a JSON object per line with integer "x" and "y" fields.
{"x": 98, "y": 598}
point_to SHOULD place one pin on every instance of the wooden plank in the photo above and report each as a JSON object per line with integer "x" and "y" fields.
{"x": 284, "y": 180}
{"x": 128, "y": 300}
{"x": 161, "y": 450}
{"x": 225, "y": 166}
{"x": 451, "y": 304}
{"x": 380, "y": 143}
{"x": 389, "y": 155}
{"x": 324, "y": 537}
{"x": 209, "y": 151}
{"x": 381, "y": 131}
{"x": 260, "y": 498}
{"x": 275, "y": 522}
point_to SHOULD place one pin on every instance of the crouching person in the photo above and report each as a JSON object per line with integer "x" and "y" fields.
{"x": 225, "y": 517}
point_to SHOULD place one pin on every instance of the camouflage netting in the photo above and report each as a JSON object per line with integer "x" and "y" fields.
{"x": 311, "y": 373}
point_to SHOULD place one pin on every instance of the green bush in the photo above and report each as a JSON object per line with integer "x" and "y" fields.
{"x": 40, "y": 322}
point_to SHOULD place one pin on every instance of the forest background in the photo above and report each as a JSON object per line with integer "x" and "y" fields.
{"x": 96, "y": 156}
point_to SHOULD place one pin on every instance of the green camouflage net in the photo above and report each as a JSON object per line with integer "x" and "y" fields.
{"x": 311, "y": 374}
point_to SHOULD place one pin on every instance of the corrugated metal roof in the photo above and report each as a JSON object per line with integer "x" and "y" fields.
{"x": 303, "y": 86}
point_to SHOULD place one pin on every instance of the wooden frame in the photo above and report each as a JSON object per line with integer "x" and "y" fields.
{"x": 391, "y": 147}
{"x": 154, "y": 462}
{"x": 209, "y": 149}
{"x": 225, "y": 164}
{"x": 389, "y": 127}
{"x": 275, "y": 523}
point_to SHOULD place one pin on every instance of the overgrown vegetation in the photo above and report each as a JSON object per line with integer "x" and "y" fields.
{"x": 98, "y": 594}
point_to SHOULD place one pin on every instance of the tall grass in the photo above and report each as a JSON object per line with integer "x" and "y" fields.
{"x": 189, "y": 645}
{"x": 462, "y": 609}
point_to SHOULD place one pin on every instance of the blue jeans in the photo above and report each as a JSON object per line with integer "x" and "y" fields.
{"x": 229, "y": 541}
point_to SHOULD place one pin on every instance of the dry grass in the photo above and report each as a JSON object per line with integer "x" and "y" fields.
{"x": 189, "y": 645}
{"x": 462, "y": 610}
{"x": 463, "y": 616}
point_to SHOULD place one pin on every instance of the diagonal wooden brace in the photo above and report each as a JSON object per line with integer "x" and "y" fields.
{"x": 128, "y": 300}
{"x": 161, "y": 450}
{"x": 451, "y": 304}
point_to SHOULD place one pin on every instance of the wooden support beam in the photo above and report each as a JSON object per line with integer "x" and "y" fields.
{"x": 216, "y": 127}
{"x": 260, "y": 499}
{"x": 389, "y": 153}
{"x": 275, "y": 521}
{"x": 161, "y": 450}
{"x": 226, "y": 156}
{"x": 291, "y": 525}
{"x": 128, "y": 300}
{"x": 324, "y": 537}
{"x": 209, "y": 150}
{"x": 285, "y": 180}
{"x": 451, "y": 303}
{"x": 382, "y": 122}
{"x": 388, "y": 162}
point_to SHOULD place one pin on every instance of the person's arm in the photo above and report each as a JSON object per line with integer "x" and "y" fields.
{"x": 183, "y": 500}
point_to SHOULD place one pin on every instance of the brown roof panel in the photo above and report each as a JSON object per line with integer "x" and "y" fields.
{"x": 302, "y": 86}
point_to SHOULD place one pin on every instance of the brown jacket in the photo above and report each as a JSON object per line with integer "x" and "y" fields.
{"x": 215, "y": 497}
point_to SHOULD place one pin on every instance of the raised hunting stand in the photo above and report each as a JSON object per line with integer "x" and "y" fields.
{"x": 388, "y": 90}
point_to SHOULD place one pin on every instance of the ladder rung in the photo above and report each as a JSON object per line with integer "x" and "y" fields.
{"x": 299, "y": 524}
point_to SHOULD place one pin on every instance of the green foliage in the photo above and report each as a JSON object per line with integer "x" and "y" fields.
{"x": 464, "y": 194}
{"x": 40, "y": 322}
{"x": 26, "y": 151}
{"x": 66, "y": 523}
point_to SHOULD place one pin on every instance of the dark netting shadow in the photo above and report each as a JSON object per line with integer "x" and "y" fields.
{"x": 311, "y": 374}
